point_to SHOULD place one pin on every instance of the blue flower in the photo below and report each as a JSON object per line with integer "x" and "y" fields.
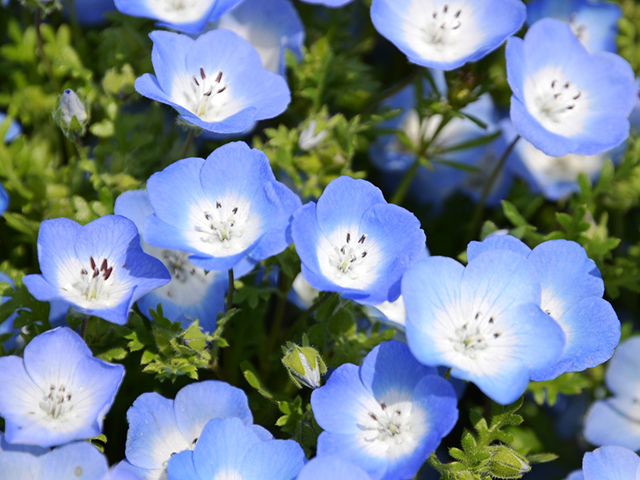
{"x": 566, "y": 100}
{"x": 159, "y": 428}
{"x": 355, "y": 243}
{"x": 572, "y": 291}
{"x": 228, "y": 448}
{"x": 608, "y": 463}
{"x": 13, "y": 131}
{"x": 483, "y": 321}
{"x": 221, "y": 209}
{"x": 594, "y": 22}
{"x": 556, "y": 178}
{"x": 445, "y": 177}
{"x": 99, "y": 269}
{"x": 91, "y": 12}
{"x": 192, "y": 292}
{"x": 271, "y": 26}
{"x": 188, "y": 16}
{"x": 386, "y": 416}
{"x": 616, "y": 420}
{"x": 322, "y": 468}
{"x": 216, "y": 82}
{"x": 446, "y": 34}
{"x": 329, "y": 3}
{"x": 58, "y": 393}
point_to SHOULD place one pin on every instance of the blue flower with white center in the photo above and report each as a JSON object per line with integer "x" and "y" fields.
{"x": 221, "y": 209}
{"x": 13, "y": 131}
{"x": 192, "y": 292}
{"x": 554, "y": 177}
{"x": 189, "y": 16}
{"x": 446, "y": 34}
{"x": 616, "y": 420}
{"x": 329, "y": 3}
{"x": 322, "y": 468}
{"x": 566, "y": 100}
{"x": 355, "y": 243}
{"x": 594, "y": 22}
{"x": 229, "y": 449}
{"x": 271, "y": 26}
{"x": 608, "y": 463}
{"x": 484, "y": 321}
{"x": 99, "y": 269}
{"x": 159, "y": 428}
{"x": 216, "y": 82}
{"x": 386, "y": 416}
{"x": 572, "y": 291}
{"x": 58, "y": 393}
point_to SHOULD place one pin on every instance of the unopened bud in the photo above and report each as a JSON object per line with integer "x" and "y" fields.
{"x": 71, "y": 113}
{"x": 304, "y": 364}
{"x": 506, "y": 463}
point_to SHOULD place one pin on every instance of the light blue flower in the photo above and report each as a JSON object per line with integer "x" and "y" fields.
{"x": 616, "y": 420}
{"x": 271, "y": 26}
{"x": 434, "y": 185}
{"x": 192, "y": 292}
{"x": 446, "y": 34}
{"x": 159, "y": 428}
{"x": 608, "y": 463}
{"x": 355, "y": 243}
{"x": 572, "y": 291}
{"x": 189, "y": 16}
{"x": 386, "y": 416}
{"x": 216, "y": 82}
{"x": 483, "y": 321}
{"x": 566, "y": 100}
{"x": 329, "y": 3}
{"x": 91, "y": 12}
{"x": 228, "y": 448}
{"x": 556, "y": 178}
{"x": 58, "y": 393}
{"x": 594, "y": 22}
{"x": 222, "y": 209}
{"x": 322, "y": 468}
{"x": 99, "y": 269}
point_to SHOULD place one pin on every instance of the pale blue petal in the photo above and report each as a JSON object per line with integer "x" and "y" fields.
{"x": 81, "y": 461}
{"x": 273, "y": 460}
{"x": 321, "y": 468}
{"x": 610, "y": 463}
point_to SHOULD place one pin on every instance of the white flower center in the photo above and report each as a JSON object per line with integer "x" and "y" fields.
{"x": 347, "y": 257}
{"x": 444, "y": 25}
{"x": 94, "y": 281}
{"x": 222, "y": 227}
{"x": 57, "y": 402}
{"x": 180, "y": 11}
{"x": 556, "y": 102}
{"x": 475, "y": 335}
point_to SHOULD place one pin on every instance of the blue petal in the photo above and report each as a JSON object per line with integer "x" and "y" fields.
{"x": 610, "y": 463}
{"x": 350, "y": 448}
{"x": 497, "y": 242}
{"x": 168, "y": 57}
{"x": 273, "y": 460}
{"x": 20, "y": 462}
{"x": 145, "y": 273}
{"x": 181, "y": 467}
{"x": 623, "y": 373}
{"x": 80, "y": 461}
{"x": 194, "y": 407}
{"x": 56, "y": 250}
{"x": 321, "y": 468}
{"x": 607, "y": 423}
{"x": 221, "y": 7}
{"x": 235, "y": 124}
{"x": 135, "y": 206}
{"x": 109, "y": 237}
{"x": 40, "y": 288}
{"x": 4, "y": 200}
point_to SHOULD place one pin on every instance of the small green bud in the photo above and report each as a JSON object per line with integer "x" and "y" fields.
{"x": 71, "y": 114}
{"x": 304, "y": 364}
{"x": 506, "y": 463}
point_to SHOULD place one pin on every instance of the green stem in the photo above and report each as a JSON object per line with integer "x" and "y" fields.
{"x": 43, "y": 55}
{"x": 447, "y": 374}
{"x": 231, "y": 290}
{"x": 83, "y": 327}
{"x": 185, "y": 151}
{"x": 403, "y": 188}
{"x": 477, "y": 217}
{"x": 281, "y": 306}
{"x": 308, "y": 312}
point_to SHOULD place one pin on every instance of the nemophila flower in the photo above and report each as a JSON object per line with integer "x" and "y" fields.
{"x": 159, "y": 428}
{"x": 386, "y": 416}
{"x": 594, "y": 22}
{"x": 58, "y": 393}
{"x": 616, "y": 420}
{"x": 99, "y": 269}
{"x": 192, "y": 293}
{"x": 216, "y": 82}
{"x": 566, "y": 100}
{"x": 484, "y": 321}
{"x": 322, "y": 468}
{"x": 446, "y": 34}
{"x": 445, "y": 177}
{"x": 271, "y": 26}
{"x": 91, "y": 12}
{"x": 71, "y": 114}
{"x": 188, "y": 16}
{"x": 608, "y": 463}
{"x": 13, "y": 130}
{"x": 222, "y": 209}
{"x": 230, "y": 449}
{"x": 572, "y": 291}
{"x": 355, "y": 243}
{"x": 554, "y": 177}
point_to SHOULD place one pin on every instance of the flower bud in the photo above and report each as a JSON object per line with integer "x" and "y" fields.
{"x": 304, "y": 364}
{"x": 71, "y": 113}
{"x": 506, "y": 463}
